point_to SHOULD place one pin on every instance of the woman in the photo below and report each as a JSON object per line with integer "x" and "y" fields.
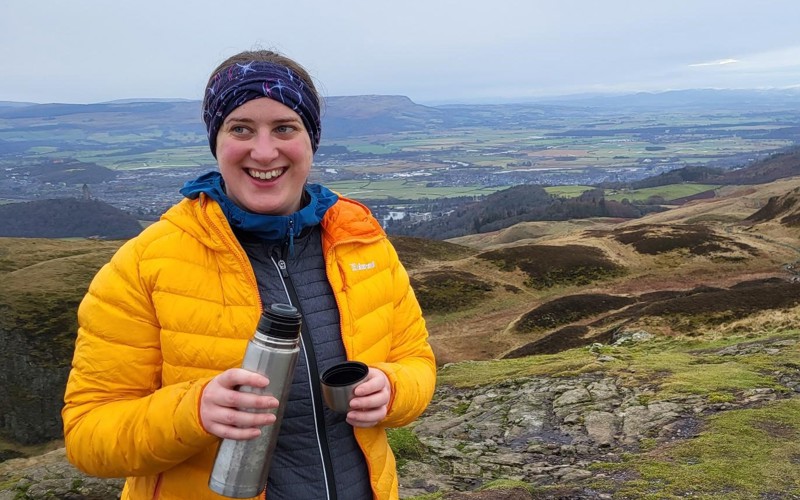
{"x": 165, "y": 324}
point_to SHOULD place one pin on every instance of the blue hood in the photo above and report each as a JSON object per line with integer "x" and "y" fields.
{"x": 269, "y": 227}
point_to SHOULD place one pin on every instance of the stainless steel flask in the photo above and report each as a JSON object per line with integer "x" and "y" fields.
{"x": 242, "y": 466}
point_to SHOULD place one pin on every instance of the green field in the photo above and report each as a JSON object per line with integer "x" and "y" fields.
{"x": 414, "y": 190}
{"x": 405, "y": 189}
{"x": 122, "y": 159}
{"x": 567, "y": 191}
{"x": 511, "y": 148}
{"x": 670, "y": 192}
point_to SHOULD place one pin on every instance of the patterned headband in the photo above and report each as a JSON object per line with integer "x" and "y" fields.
{"x": 239, "y": 83}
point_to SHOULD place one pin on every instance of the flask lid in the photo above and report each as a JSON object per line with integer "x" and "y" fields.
{"x": 280, "y": 320}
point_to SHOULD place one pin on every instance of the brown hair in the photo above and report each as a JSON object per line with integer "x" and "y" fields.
{"x": 270, "y": 57}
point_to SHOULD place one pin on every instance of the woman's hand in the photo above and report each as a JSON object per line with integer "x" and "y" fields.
{"x": 369, "y": 406}
{"x": 222, "y": 406}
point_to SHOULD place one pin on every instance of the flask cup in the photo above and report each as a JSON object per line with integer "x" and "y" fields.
{"x": 338, "y": 383}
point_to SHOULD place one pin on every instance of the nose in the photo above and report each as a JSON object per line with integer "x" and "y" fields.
{"x": 264, "y": 148}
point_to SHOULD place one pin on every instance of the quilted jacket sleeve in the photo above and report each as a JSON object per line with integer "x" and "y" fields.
{"x": 118, "y": 420}
{"x": 411, "y": 366}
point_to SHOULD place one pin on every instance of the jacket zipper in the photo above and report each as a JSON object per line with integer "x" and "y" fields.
{"x": 313, "y": 378}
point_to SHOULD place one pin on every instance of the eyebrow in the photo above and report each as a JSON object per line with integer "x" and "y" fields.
{"x": 285, "y": 119}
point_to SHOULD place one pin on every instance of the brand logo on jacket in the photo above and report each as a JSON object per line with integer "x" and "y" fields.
{"x": 358, "y": 266}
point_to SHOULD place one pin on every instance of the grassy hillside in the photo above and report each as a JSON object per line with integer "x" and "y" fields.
{"x": 41, "y": 283}
{"x": 548, "y": 286}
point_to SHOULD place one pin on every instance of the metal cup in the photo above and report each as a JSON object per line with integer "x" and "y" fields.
{"x": 339, "y": 382}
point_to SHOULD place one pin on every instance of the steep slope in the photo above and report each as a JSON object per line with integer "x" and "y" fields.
{"x": 784, "y": 209}
{"x": 41, "y": 284}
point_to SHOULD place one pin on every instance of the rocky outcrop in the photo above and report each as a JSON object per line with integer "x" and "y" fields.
{"x": 548, "y": 431}
{"x": 51, "y": 476}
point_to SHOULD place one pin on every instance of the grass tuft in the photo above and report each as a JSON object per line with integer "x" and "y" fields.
{"x": 745, "y": 453}
{"x": 405, "y": 445}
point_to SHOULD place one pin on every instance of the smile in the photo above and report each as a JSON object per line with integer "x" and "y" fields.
{"x": 265, "y": 176}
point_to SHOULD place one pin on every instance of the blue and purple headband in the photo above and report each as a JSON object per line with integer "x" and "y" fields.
{"x": 236, "y": 84}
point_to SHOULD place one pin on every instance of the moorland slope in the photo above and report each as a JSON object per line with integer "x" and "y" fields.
{"x": 539, "y": 287}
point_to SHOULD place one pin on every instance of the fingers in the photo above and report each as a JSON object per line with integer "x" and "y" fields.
{"x": 238, "y": 428}
{"x": 366, "y": 418}
{"x": 374, "y": 400}
{"x": 230, "y": 379}
{"x": 236, "y": 414}
{"x": 372, "y": 397}
{"x": 374, "y": 382}
{"x": 238, "y": 389}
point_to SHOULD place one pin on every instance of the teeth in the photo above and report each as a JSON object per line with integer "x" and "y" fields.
{"x": 258, "y": 174}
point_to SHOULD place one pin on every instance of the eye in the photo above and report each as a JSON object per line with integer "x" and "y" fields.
{"x": 238, "y": 129}
{"x": 285, "y": 129}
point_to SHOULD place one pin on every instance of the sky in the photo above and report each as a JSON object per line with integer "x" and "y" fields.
{"x": 433, "y": 51}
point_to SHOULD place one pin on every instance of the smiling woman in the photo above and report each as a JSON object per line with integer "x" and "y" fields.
{"x": 155, "y": 379}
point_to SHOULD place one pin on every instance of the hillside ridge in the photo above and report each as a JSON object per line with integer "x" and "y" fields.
{"x": 66, "y": 218}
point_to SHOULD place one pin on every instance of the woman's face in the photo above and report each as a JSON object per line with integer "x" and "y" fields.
{"x": 264, "y": 155}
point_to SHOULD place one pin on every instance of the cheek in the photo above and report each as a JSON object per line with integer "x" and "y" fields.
{"x": 302, "y": 155}
{"x": 229, "y": 152}
{"x": 300, "y": 149}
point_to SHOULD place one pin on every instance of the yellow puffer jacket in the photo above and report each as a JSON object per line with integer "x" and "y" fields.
{"x": 177, "y": 304}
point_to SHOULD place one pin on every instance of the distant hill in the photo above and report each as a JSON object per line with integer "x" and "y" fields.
{"x": 14, "y": 104}
{"x": 342, "y": 116}
{"x": 66, "y": 218}
{"x": 700, "y": 175}
{"x": 75, "y": 127}
{"x": 70, "y": 171}
{"x": 114, "y": 112}
{"x": 376, "y": 114}
{"x": 690, "y": 98}
{"x": 523, "y": 203}
{"x": 776, "y": 166}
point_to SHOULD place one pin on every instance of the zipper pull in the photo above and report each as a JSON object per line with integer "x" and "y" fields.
{"x": 291, "y": 237}
{"x": 282, "y": 267}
